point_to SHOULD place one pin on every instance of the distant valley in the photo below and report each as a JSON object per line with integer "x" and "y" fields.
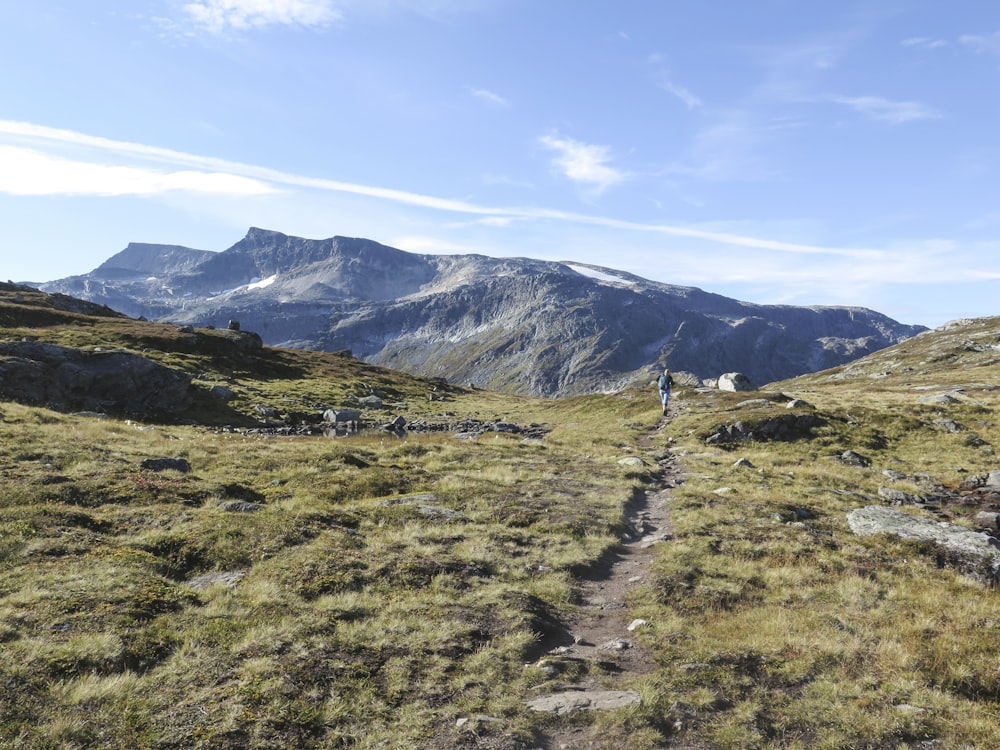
{"x": 509, "y": 324}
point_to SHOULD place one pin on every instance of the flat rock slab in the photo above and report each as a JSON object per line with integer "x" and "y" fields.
{"x": 584, "y": 700}
{"x": 972, "y": 552}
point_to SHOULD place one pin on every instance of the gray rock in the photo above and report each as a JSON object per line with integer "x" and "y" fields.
{"x": 69, "y": 380}
{"x": 941, "y": 399}
{"x": 222, "y": 393}
{"x": 240, "y": 506}
{"x": 617, "y": 644}
{"x": 987, "y": 519}
{"x": 897, "y": 497}
{"x": 734, "y": 381}
{"x": 852, "y": 458}
{"x": 396, "y": 425}
{"x": 340, "y": 416}
{"x": 972, "y": 553}
{"x": 783, "y": 428}
{"x": 948, "y": 425}
{"x": 371, "y": 402}
{"x": 440, "y": 513}
{"x": 631, "y": 461}
{"x": 584, "y": 700}
{"x": 163, "y": 464}
{"x": 228, "y": 579}
{"x": 423, "y": 504}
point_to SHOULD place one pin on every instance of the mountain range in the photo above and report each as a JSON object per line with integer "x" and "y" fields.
{"x": 510, "y": 324}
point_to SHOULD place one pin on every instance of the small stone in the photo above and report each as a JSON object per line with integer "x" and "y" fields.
{"x": 618, "y": 644}
{"x": 240, "y": 506}
{"x": 631, "y": 461}
{"x": 636, "y": 624}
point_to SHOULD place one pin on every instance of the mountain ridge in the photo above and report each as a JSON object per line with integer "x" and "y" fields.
{"x": 521, "y": 325}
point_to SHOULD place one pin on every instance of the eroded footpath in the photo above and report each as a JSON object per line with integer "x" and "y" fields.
{"x": 604, "y": 653}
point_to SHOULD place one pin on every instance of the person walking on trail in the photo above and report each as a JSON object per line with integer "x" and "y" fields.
{"x": 664, "y": 383}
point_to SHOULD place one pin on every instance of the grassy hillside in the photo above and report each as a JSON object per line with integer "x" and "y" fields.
{"x": 373, "y": 591}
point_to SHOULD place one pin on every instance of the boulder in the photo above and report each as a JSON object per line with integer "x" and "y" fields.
{"x": 783, "y": 428}
{"x": 338, "y": 416}
{"x": 735, "y": 381}
{"x": 164, "y": 464}
{"x": 973, "y": 553}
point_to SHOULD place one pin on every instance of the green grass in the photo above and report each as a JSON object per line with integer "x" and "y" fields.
{"x": 385, "y": 588}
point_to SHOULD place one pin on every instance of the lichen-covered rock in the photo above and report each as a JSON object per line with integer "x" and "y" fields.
{"x": 971, "y": 552}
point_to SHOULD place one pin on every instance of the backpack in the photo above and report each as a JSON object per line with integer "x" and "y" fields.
{"x": 664, "y": 382}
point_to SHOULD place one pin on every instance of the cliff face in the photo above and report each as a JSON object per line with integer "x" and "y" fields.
{"x": 512, "y": 324}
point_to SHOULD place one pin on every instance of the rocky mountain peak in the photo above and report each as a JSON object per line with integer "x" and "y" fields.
{"x": 515, "y": 324}
{"x": 153, "y": 260}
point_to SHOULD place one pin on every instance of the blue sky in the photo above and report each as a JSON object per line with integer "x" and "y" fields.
{"x": 840, "y": 152}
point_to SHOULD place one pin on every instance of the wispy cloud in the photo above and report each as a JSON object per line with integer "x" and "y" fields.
{"x": 104, "y": 161}
{"x": 489, "y": 97}
{"x": 221, "y": 16}
{"x": 984, "y": 43}
{"x": 886, "y": 110}
{"x": 690, "y": 100}
{"x": 665, "y": 81}
{"x": 585, "y": 163}
{"x": 924, "y": 42}
{"x": 25, "y": 171}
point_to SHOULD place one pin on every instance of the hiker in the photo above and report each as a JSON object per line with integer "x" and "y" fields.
{"x": 664, "y": 382}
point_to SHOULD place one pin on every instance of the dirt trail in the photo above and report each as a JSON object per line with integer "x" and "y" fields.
{"x": 601, "y": 633}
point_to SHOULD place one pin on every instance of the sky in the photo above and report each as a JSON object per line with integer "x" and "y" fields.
{"x": 831, "y": 152}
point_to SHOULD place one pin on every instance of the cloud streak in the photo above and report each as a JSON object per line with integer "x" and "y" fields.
{"x": 988, "y": 44}
{"x": 59, "y": 175}
{"x": 489, "y": 97}
{"x": 886, "y": 110}
{"x": 29, "y": 172}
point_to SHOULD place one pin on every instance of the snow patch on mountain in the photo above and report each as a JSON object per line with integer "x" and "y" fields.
{"x": 597, "y": 275}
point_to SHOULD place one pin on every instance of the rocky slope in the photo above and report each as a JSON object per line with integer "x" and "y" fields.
{"x": 514, "y": 324}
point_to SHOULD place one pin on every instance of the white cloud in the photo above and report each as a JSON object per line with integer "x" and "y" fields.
{"x": 583, "y": 162}
{"x": 886, "y": 110}
{"x": 25, "y": 171}
{"x": 924, "y": 42}
{"x": 489, "y": 97}
{"x": 985, "y": 43}
{"x": 220, "y": 16}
